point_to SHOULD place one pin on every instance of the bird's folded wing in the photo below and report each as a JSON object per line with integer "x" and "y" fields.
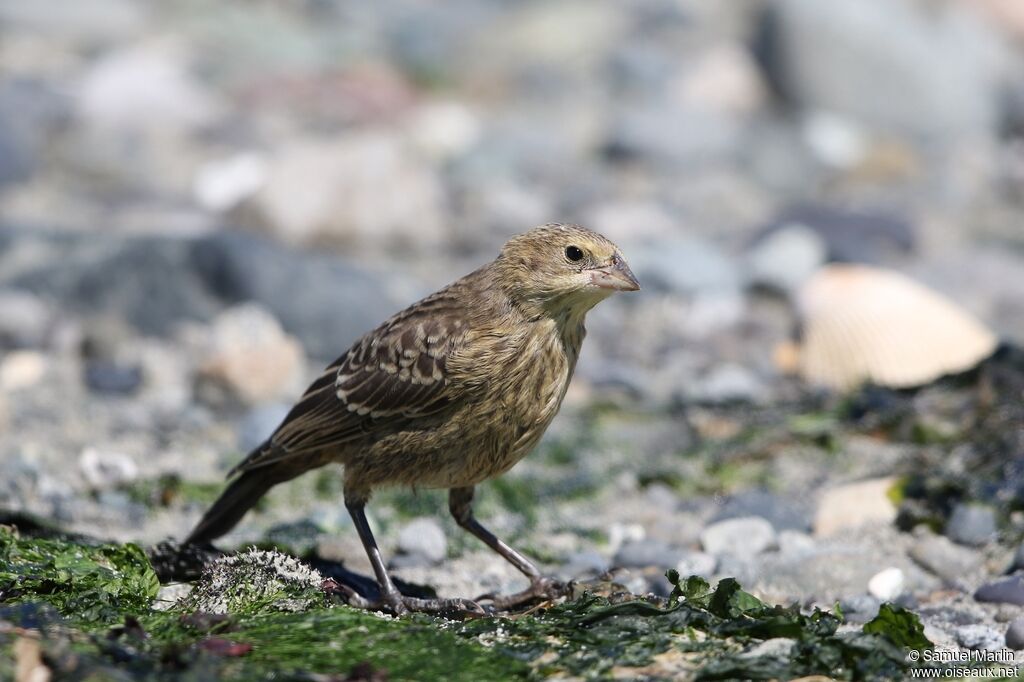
{"x": 388, "y": 379}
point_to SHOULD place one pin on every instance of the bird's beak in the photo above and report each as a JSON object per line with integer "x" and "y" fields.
{"x": 616, "y": 276}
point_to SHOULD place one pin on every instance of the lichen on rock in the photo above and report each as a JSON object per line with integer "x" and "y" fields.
{"x": 254, "y": 581}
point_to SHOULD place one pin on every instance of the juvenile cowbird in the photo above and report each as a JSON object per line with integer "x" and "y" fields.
{"x": 450, "y": 392}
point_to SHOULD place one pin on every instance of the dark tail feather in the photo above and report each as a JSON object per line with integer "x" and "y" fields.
{"x": 240, "y": 496}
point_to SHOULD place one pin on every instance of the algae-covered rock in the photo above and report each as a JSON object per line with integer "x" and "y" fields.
{"x": 255, "y": 581}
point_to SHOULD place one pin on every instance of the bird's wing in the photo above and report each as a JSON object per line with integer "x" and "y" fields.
{"x": 390, "y": 377}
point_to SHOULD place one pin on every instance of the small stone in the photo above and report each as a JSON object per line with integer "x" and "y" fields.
{"x": 727, "y": 383}
{"x": 979, "y": 637}
{"x": 222, "y": 184}
{"x": 1008, "y": 591}
{"x": 1015, "y": 634}
{"x": 786, "y": 258}
{"x": 583, "y": 564}
{"x": 795, "y": 543}
{"x": 424, "y": 537}
{"x": 21, "y": 369}
{"x": 103, "y": 376}
{"x": 143, "y": 88}
{"x": 697, "y": 563}
{"x": 784, "y": 512}
{"x": 860, "y": 609}
{"x": 106, "y": 469}
{"x": 972, "y": 524}
{"x": 853, "y": 505}
{"x": 741, "y": 537}
{"x": 776, "y": 647}
{"x": 25, "y": 320}
{"x": 1018, "y": 559}
{"x": 647, "y": 552}
{"x": 249, "y": 355}
{"x": 887, "y": 584}
{"x": 949, "y": 561}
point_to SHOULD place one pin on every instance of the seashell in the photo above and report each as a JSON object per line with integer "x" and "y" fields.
{"x": 861, "y": 323}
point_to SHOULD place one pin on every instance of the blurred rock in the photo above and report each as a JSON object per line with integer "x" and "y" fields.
{"x": 979, "y": 637}
{"x": 726, "y": 383}
{"x": 1015, "y": 635}
{"x": 144, "y": 87}
{"x": 258, "y": 423}
{"x": 22, "y": 369}
{"x": 143, "y": 280}
{"x": 743, "y": 537}
{"x": 796, "y": 543}
{"x": 784, "y": 512}
{"x": 945, "y": 559}
{"x": 326, "y": 302}
{"x": 25, "y": 320}
{"x": 91, "y": 22}
{"x": 724, "y": 79}
{"x": 861, "y": 236}
{"x": 887, "y": 584}
{"x": 670, "y": 138}
{"x": 860, "y": 609}
{"x": 583, "y": 565}
{"x": 103, "y": 376}
{"x": 899, "y": 67}
{"x": 102, "y": 469}
{"x": 342, "y": 191}
{"x": 1018, "y": 559}
{"x": 855, "y": 504}
{"x": 1008, "y": 591}
{"x": 972, "y": 524}
{"x": 785, "y": 258}
{"x": 251, "y": 356}
{"x": 443, "y": 130}
{"x": 836, "y": 141}
{"x": 423, "y": 537}
{"x": 647, "y": 552}
{"x": 697, "y": 563}
{"x": 684, "y": 265}
{"x": 223, "y": 183}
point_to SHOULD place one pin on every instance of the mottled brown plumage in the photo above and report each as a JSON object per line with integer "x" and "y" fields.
{"x": 450, "y": 392}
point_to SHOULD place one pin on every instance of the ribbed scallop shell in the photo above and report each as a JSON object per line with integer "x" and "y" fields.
{"x": 861, "y": 323}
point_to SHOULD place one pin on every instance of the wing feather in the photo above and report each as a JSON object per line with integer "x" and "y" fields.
{"x": 387, "y": 379}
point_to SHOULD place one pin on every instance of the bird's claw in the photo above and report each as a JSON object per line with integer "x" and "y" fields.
{"x": 540, "y": 589}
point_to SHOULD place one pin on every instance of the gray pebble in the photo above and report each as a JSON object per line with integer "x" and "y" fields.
{"x": 949, "y": 561}
{"x": 647, "y": 552}
{"x": 979, "y": 637}
{"x": 971, "y": 524}
{"x": 1015, "y": 634}
{"x": 697, "y": 563}
{"x": 1008, "y": 591}
{"x": 746, "y": 536}
{"x": 423, "y": 536}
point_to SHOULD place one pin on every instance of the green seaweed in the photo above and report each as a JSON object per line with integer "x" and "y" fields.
{"x": 94, "y": 583}
{"x": 92, "y": 608}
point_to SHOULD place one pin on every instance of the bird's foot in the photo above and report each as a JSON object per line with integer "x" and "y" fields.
{"x": 398, "y": 604}
{"x": 540, "y": 589}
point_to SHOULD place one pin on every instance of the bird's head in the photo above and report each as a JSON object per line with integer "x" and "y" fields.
{"x": 563, "y": 269}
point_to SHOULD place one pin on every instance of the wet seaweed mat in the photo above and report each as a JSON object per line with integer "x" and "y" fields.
{"x": 88, "y": 610}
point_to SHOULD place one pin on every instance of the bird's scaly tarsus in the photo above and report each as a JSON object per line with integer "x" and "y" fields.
{"x": 390, "y": 598}
{"x": 460, "y": 504}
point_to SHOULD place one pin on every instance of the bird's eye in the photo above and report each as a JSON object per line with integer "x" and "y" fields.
{"x": 574, "y": 253}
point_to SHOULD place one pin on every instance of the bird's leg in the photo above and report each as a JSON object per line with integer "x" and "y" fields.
{"x": 389, "y": 594}
{"x": 460, "y": 504}
{"x": 390, "y": 597}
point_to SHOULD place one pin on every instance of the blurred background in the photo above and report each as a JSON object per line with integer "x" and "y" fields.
{"x": 203, "y": 202}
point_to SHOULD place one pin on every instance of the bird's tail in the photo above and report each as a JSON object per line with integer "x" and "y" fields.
{"x": 240, "y": 496}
